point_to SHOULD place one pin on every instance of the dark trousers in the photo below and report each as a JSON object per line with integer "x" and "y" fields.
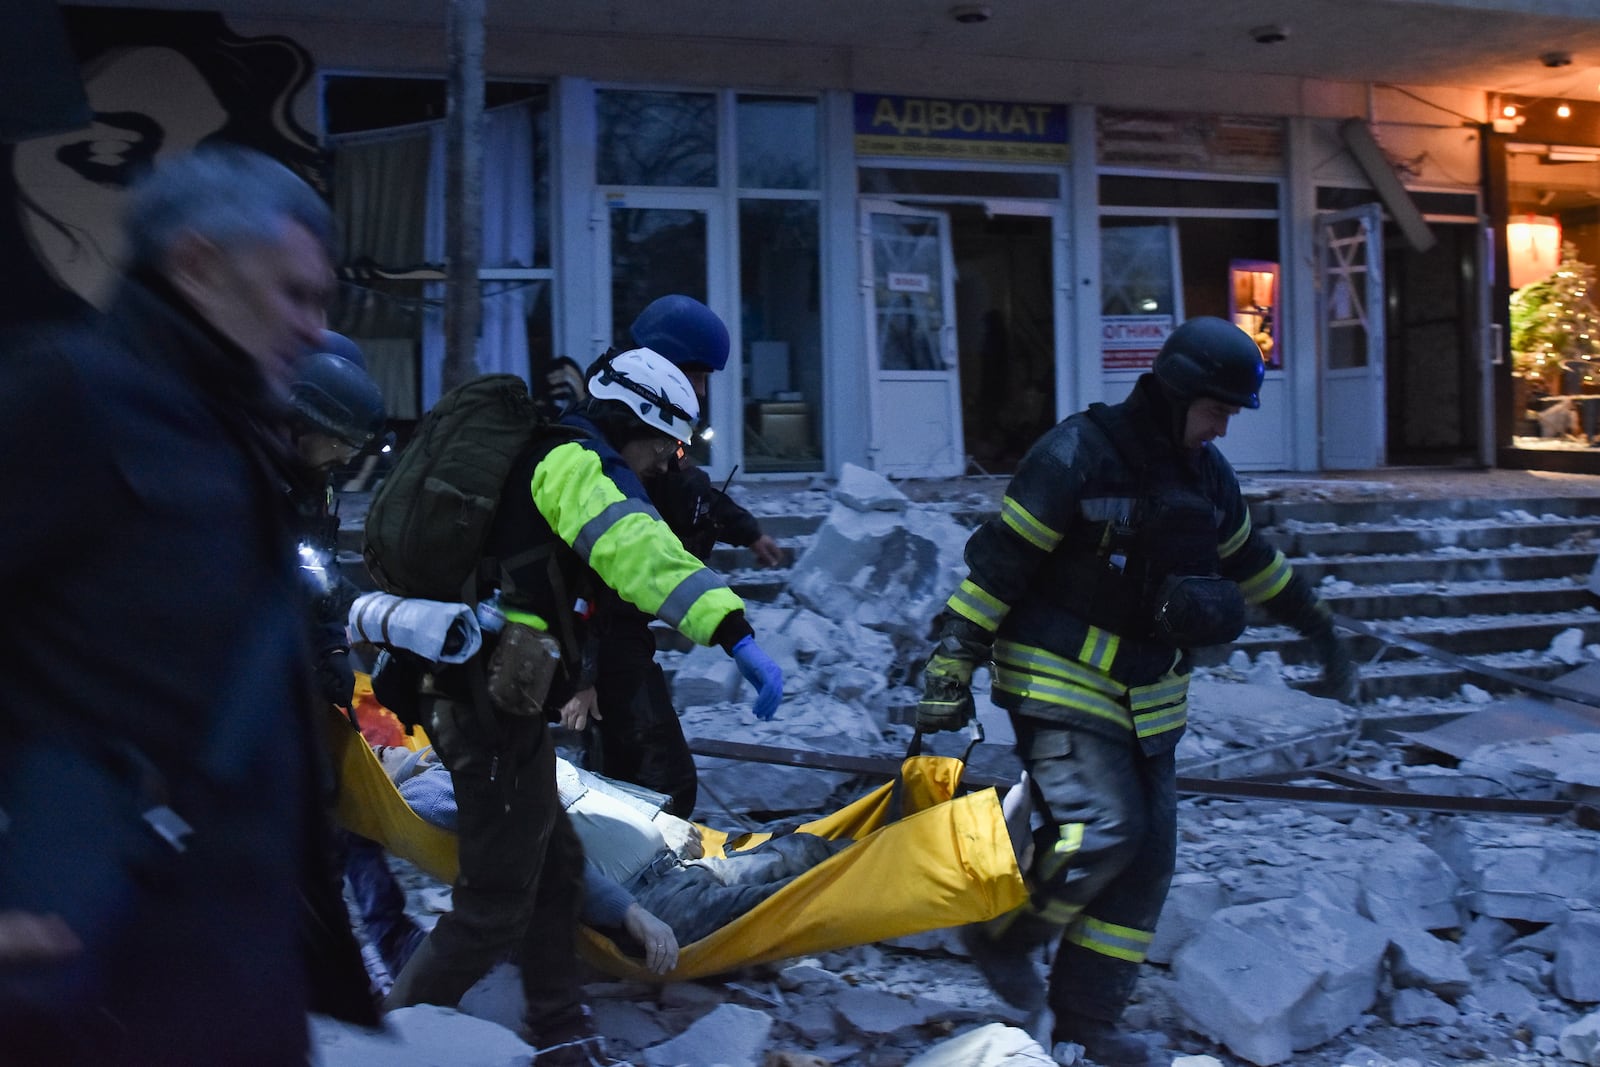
{"x": 379, "y": 900}
{"x": 638, "y": 737}
{"x": 1102, "y": 860}
{"x": 520, "y": 885}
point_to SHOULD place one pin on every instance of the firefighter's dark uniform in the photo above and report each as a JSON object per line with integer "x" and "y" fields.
{"x": 582, "y": 520}
{"x": 1064, "y": 583}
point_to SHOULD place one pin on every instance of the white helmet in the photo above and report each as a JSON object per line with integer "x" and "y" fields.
{"x": 652, "y": 387}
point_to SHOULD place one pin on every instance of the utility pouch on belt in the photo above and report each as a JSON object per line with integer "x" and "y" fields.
{"x": 1197, "y": 610}
{"x": 521, "y": 670}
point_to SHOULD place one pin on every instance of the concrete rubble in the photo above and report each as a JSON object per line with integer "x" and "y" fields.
{"x": 1313, "y": 934}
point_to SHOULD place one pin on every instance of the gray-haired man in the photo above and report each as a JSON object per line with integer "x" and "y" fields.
{"x": 154, "y": 655}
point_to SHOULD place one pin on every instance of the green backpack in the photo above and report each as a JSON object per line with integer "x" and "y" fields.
{"x": 429, "y": 519}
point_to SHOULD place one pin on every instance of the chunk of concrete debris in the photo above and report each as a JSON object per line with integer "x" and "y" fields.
{"x": 873, "y": 1011}
{"x": 991, "y": 1045}
{"x": 1237, "y": 730}
{"x": 1271, "y": 978}
{"x": 704, "y": 676}
{"x": 1409, "y": 885}
{"x": 888, "y": 571}
{"x": 1191, "y": 901}
{"x": 1577, "y": 960}
{"x": 1418, "y": 959}
{"x": 1414, "y": 1007}
{"x": 1580, "y": 1042}
{"x": 1502, "y": 998}
{"x": 1563, "y": 766}
{"x": 1514, "y": 871}
{"x": 866, "y": 490}
{"x": 1567, "y": 646}
{"x": 728, "y": 1036}
{"x": 419, "y": 1036}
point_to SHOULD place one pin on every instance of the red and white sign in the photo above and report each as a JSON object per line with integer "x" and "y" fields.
{"x": 904, "y": 282}
{"x": 1130, "y": 342}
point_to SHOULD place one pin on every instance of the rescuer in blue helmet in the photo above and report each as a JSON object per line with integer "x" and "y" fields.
{"x": 636, "y": 736}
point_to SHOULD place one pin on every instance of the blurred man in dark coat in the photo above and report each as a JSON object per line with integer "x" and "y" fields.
{"x": 159, "y": 794}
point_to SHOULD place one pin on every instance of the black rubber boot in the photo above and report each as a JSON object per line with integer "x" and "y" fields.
{"x": 1104, "y": 1043}
{"x": 574, "y": 1042}
{"x": 1009, "y": 964}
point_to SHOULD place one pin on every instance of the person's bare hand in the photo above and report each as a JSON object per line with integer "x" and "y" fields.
{"x": 660, "y": 943}
{"x": 576, "y": 713}
{"x": 767, "y": 551}
{"x": 28, "y": 938}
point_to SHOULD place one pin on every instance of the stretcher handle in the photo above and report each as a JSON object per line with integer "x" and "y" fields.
{"x": 974, "y": 739}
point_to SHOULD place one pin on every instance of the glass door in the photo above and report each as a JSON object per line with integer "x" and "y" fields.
{"x": 909, "y": 290}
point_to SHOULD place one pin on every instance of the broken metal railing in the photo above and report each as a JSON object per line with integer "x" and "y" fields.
{"x": 1389, "y": 638}
{"x": 1345, "y": 787}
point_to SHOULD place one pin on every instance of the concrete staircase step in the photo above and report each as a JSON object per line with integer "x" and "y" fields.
{"x": 1449, "y": 599}
{"x": 1384, "y": 511}
{"x": 1454, "y": 565}
{"x": 1471, "y": 635}
{"x": 1329, "y": 539}
{"x": 1424, "y": 678}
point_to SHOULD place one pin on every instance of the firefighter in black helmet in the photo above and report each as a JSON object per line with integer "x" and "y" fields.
{"x": 1122, "y": 545}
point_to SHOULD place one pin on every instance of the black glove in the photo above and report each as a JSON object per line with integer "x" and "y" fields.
{"x": 336, "y": 679}
{"x": 1340, "y": 679}
{"x": 1299, "y": 606}
{"x": 946, "y": 702}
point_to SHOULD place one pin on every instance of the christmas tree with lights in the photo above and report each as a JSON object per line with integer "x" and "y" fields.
{"x": 1554, "y": 323}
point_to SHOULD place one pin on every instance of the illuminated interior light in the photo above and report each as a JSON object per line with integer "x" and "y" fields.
{"x": 1509, "y": 111}
{"x": 1564, "y": 111}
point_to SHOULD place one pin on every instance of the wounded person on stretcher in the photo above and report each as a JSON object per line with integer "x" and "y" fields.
{"x": 644, "y": 876}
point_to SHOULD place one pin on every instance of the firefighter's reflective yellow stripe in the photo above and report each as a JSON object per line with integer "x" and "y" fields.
{"x": 627, "y": 543}
{"x": 977, "y": 605}
{"x": 1109, "y": 939}
{"x": 526, "y": 618}
{"x": 1025, "y": 526}
{"x": 1160, "y": 706}
{"x": 1099, "y": 648}
{"x": 1061, "y": 852}
{"x": 1268, "y": 582}
{"x": 1036, "y": 674}
{"x": 1062, "y": 694}
{"x": 1034, "y": 660}
{"x": 1059, "y": 912}
{"x": 1236, "y": 542}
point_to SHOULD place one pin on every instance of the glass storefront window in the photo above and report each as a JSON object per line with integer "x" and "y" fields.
{"x": 1552, "y": 243}
{"x": 1157, "y": 271}
{"x": 778, "y": 143}
{"x": 1136, "y": 267}
{"x": 386, "y": 137}
{"x": 781, "y": 324}
{"x": 656, "y": 138}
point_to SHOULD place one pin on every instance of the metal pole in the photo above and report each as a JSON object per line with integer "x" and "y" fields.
{"x": 463, "y": 190}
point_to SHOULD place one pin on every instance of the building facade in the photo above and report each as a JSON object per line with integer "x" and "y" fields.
{"x": 922, "y": 265}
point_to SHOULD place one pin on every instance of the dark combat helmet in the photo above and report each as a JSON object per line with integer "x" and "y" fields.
{"x": 1213, "y": 358}
{"x": 332, "y": 394}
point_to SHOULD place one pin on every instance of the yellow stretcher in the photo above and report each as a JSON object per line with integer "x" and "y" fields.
{"x": 947, "y": 860}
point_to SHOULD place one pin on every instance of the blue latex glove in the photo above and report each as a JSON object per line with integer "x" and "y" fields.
{"x": 760, "y": 671}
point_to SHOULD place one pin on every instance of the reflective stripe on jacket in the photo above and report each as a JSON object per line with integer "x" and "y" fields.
{"x": 1027, "y": 566}
{"x": 622, "y": 538}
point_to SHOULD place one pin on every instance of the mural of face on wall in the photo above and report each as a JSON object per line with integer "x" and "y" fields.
{"x": 159, "y": 83}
